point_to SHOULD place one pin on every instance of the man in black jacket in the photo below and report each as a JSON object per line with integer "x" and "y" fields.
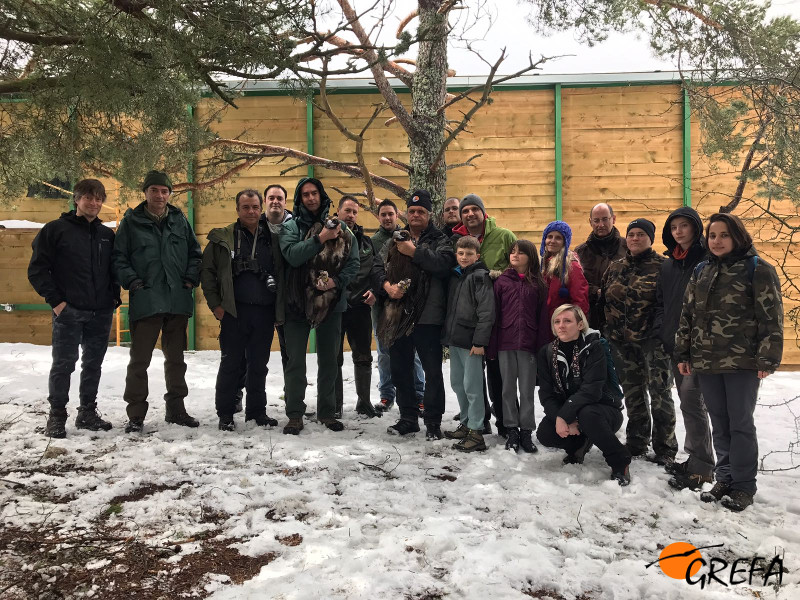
{"x": 71, "y": 268}
{"x": 683, "y": 237}
{"x": 431, "y": 253}
{"x": 357, "y": 319}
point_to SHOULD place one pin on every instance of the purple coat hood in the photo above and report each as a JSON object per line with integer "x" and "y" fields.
{"x": 521, "y": 321}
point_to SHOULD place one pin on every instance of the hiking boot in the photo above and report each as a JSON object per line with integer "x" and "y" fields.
{"x": 226, "y": 423}
{"x": 89, "y": 418}
{"x": 675, "y": 468}
{"x": 293, "y": 427}
{"x": 716, "y": 493}
{"x": 662, "y": 460}
{"x": 692, "y": 481}
{"x": 433, "y": 432}
{"x": 332, "y": 424}
{"x": 134, "y": 426}
{"x": 636, "y": 452}
{"x": 262, "y": 420}
{"x": 56, "y": 426}
{"x": 366, "y": 409}
{"x": 457, "y": 434}
{"x": 576, "y": 458}
{"x": 526, "y": 441}
{"x": 512, "y": 441}
{"x": 737, "y": 500}
{"x": 473, "y": 442}
{"x": 384, "y": 405}
{"x": 403, "y": 427}
{"x": 183, "y": 419}
{"x": 623, "y": 476}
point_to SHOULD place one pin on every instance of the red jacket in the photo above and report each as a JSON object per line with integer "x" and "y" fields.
{"x": 577, "y": 286}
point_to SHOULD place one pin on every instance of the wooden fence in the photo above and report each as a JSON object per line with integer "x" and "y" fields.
{"x": 547, "y": 151}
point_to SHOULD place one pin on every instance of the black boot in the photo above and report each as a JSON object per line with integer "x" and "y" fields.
{"x": 403, "y": 427}
{"x": 526, "y": 441}
{"x": 89, "y": 418}
{"x": 433, "y": 431}
{"x": 512, "y": 441}
{"x": 56, "y": 425}
{"x": 183, "y": 419}
{"x": 134, "y": 426}
{"x": 262, "y": 420}
{"x": 226, "y": 423}
{"x": 622, "y": 475}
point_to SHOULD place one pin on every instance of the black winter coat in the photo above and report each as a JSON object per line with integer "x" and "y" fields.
{"x": 470, "y": 308}
{"x": 71, "y": 263}
{"x": 590, "y": 387}
{"x": 675, "y": 275}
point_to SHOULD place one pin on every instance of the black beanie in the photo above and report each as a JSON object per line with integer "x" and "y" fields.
{"x": 471, "y": 200}
{"x": 156, "y": 178}
{"x": 420, "y": 198}
{"x": 647, "y": 226}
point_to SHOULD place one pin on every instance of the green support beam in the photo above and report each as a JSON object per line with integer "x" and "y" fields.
{"x": 191, "y": 341}
{"x": 312, "y": 336}
{"x": 687, "y": 149}
{"x": 24, "y": 306}
{"x": 558, "y": 174}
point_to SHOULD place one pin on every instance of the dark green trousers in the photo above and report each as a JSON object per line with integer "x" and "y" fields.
{"x": 329, "y": 340}
{"x": 144, "y": 335}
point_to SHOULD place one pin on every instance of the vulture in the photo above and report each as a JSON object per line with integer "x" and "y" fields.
{"x": 327, "y": 263}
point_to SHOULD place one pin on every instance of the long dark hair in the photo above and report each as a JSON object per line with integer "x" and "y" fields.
{"x": 739, "y": 235}
{"x": 533, "y": 273}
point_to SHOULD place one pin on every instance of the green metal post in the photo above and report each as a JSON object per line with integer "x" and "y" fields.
{"x": 687, "y": 149}
{"x": 558, "y": 174}
{"x": 312, "y": 336}
{"x": 27, "y": 306}
{"x": 192, "y": 337}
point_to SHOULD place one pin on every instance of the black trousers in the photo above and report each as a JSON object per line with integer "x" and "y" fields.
{"x": 426, "y": 340}
{"x": 245, "y": 341}
{"x": 88, "y": 329}
{"x": 599, "y": 423}
{"x": 357, "y": 325}
{"x": 493, "y": 383}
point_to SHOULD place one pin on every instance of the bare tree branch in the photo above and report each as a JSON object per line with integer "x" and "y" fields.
{"x": 737, "y": 197}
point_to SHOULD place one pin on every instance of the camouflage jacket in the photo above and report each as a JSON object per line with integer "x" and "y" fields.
{"x": 628, "y": 297}
{"x": 727, "y": 322}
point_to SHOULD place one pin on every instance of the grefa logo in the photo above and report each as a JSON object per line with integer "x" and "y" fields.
{"x": 415, "y": 199}
{"x": 681, "y": 560}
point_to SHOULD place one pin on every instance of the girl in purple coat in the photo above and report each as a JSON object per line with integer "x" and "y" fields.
{"x": 521, "y": 328}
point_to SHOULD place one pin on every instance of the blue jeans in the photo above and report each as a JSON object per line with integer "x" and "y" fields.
{"x": 385, "y": 387}
{"x": 88, "y": 329}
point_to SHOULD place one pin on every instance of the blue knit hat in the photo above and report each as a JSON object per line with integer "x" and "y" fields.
{"x": 565, "y": 231}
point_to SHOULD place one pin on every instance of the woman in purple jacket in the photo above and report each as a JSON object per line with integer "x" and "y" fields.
{"x": 521, "y": 328}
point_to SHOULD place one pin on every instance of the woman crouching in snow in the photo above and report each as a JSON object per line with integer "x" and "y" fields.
{"x": 581, "y": 399}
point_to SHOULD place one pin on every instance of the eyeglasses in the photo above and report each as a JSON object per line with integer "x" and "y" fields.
{"x": 604, "y": 220}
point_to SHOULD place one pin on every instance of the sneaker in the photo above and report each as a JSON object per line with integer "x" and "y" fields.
{"x": 433, "y": 432}
{"x": 384, "y": 405}
{"x": 134, "y": 426}
{"x": 675, "y": 468}
{"x": 458, "y": 434}
{"x": 473, "y": 442}
{"x": 90, "y": 419}
{"x": 512, "y": 441}
{"x": 692, "y": 481}
{"x": 421, "y": 406}
{"x": 332, "y": 424}
{"x": 56, "y": 426}
{"x": 263, "y": 420}
{"x": 403, "y": 427}
{"x": 576, "y": 458}
{"x": 293, "y": 427}
{"x": 623, "y": 476}
{"x": 183, "y": 419}
{"x": 737, "y": 500}
{"x": 226, "y": 423}
{"x": 526, "y": 441}
{"x": 716, "y": 493}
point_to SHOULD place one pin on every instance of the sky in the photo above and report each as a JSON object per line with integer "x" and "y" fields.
{"x": 620, "y": 53}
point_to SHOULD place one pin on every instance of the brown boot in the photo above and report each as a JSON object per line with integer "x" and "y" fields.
{"x": 293, "y": 427}
{"x": 472, "y": 442}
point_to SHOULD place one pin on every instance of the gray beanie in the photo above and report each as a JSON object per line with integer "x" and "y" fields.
{"x": 471, "y": 199}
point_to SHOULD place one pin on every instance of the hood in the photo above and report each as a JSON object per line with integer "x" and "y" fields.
{"x": 689, "y": 213}
{"x": 476, "y": 266}
{"x": 300, "y": 212}
{"x": 222, "y": 235}
{"x": 489, "y": 225}
{"x": 74, "y": 218}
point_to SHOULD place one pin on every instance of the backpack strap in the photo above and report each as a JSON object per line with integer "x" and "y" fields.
{"x": 752, "y": 262}
{"x": 699, "y": 267}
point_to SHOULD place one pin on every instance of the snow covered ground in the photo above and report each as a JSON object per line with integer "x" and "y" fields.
{"x": 433, "y": 523}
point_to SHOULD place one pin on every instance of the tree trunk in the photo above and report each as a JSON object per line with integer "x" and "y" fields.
{"x": 428, "y": 95}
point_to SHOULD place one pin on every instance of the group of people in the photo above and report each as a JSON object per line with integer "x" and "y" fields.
{"x": 612, "y": 321}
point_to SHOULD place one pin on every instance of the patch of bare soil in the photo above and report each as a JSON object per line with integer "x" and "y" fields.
{"x": 48, "y": 565}
{"x": 552, "y": 595}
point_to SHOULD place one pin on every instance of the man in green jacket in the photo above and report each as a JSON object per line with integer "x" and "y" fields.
{"x": 496, "y": 244}
{"x": 322, "y": 259}
{"x": 242, "y": 279}
{"x": 157, "y": 258}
